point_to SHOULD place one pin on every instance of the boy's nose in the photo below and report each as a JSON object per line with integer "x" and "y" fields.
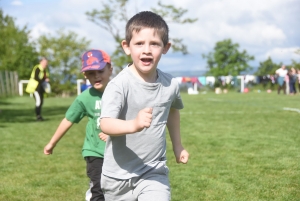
{"x": 147, "y": 49}
{"x": 97, "y": 74}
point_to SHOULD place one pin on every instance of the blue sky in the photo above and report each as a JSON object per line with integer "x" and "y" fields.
{"x": 263, "y": 28}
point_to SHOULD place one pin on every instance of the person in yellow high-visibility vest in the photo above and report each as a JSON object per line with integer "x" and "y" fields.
{"x": 38, "y": 77}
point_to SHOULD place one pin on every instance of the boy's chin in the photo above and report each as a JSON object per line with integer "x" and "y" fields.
{"x": 99, "y": 87}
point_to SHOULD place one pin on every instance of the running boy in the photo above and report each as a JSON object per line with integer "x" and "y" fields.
{"x": 137, "y": 106}
{"x": 96, "y": 67}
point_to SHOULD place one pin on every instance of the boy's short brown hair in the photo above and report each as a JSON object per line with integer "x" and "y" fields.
{"x": 147, "y": 19}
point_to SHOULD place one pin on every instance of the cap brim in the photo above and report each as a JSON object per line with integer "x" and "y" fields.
{"x": 94, "y": 67}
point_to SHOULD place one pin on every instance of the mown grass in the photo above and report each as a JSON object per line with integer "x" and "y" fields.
{"x": 242, "y": 147}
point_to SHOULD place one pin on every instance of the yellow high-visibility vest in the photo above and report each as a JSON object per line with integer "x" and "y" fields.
{"x": 32, "y": 84}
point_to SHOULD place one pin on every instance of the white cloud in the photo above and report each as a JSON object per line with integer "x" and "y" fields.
{"x": 16, "y": 3}
{"x": 271, "y": 32}
{"x": 240, "y": 20}
{"x": 283, "y": 54}
{"x": 257, "y": 26}
{"x": 40, "y": 29}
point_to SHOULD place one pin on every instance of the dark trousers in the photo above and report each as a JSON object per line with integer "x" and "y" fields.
{"x": 39, "y": 100}
{"x": 94, "y": 170}
{"x": 281, "y": 87}
{"x": 292, "y": 88}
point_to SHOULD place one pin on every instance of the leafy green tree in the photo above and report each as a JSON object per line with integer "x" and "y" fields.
{"x": 17, "y": 53}
{"x": 296, "y": 64}
{"x": 114, "y": 13}
{"x": 267, "y": 67}
{"x": 226, "y": 59}
{"x": 63, "y": 53}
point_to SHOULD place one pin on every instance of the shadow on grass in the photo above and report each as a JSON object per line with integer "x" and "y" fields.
{"x": 28, "y": 115}
{"x": 5, "y": 103}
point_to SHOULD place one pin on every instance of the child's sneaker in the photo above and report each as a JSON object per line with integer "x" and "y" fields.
{"x": 39, "y": 118}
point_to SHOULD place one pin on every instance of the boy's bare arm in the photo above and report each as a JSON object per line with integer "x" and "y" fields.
{"x": 118, "y": 127}
{"x": 173, "y": 125}
{"x": 59, "y": 133}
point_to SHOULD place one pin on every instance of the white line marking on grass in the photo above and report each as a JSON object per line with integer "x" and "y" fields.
{"x": 292, "y": 109}
{"x": 227, "y": 112}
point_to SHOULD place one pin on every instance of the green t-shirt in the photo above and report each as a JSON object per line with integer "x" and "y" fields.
{"x": 88, "y": 104}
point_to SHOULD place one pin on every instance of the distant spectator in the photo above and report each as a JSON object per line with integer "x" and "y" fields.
{"x": 281, "y": 72}
{"x": 287, "y": 83}
{"x": 292, "y": 81}
{"x": 84, "y": 85}
{"x": 36, "y": 85}
{"x": 298, "y": 80}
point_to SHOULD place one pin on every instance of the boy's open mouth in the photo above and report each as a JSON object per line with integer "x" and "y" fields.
{"x": 146, "y": 60}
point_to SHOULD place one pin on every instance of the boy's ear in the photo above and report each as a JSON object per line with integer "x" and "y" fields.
{"x": 125, "y": 46}
{"x": 84, "y": 75}
{"x": 166, "y": 48}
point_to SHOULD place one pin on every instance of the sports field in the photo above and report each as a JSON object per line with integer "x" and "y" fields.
{"x": 243, "y": 147}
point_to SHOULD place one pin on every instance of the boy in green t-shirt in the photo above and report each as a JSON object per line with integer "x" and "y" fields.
{"x": 96, "y": 67}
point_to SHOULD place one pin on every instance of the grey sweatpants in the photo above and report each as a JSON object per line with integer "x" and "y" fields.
{"x": 153, "y": 185}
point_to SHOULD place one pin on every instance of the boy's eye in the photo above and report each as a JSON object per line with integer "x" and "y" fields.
{"x": 90, "y": 73}
{"x": 155, "y": 44}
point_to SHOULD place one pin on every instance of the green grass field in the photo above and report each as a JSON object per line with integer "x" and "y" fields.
{"x": 243, "y": 147}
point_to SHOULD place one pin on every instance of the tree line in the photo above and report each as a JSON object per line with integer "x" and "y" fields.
{"x": 63, "y": 49}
